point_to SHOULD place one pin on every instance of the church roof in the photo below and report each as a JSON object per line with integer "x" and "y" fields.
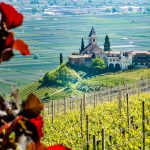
{"x": 92, "y": 32}
{"x": 92, "y": 48}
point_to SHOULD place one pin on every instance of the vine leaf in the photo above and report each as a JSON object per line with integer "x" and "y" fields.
{"x": 10, "y": 16}
{"x": 32, "y": 106}
{"x": 22, "y": 47}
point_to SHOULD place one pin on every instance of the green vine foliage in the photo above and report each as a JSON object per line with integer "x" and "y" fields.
{"x": 66, "y": 129}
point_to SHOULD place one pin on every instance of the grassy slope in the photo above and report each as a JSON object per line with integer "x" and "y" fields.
{"x": 115, "y": 79}
{"x": 101, "y": 81}
{"x": 66, "y": 128}
{"x": 49, "y": 84}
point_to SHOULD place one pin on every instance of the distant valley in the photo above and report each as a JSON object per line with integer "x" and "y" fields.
{"x": 48, "y": 36}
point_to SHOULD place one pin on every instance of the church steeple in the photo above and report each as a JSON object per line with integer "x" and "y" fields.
{"x": 92, "y": 37}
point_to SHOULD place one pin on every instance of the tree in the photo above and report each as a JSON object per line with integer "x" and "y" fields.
{"x": 82, "y": 46}
{"x": 98, "y": 63}
{"x": 107, "y": 44}
{"x": 61, "y": 58}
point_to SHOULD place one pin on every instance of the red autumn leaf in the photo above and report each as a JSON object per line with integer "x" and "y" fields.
{"x": 10, "y": 16}
{"x": 38, "y": 122}
{"x": 6, "y": 44}
{"x": 22, "y": 47}
{"x": 57, "y": 147}
{"x": 9, "y": 40}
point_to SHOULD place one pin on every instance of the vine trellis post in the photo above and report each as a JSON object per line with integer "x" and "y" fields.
{"x": 103, "y": 139}
{"x": 143, "y": 124}
{"x": 87, "y": 133}
{"x": 128, "y": 118}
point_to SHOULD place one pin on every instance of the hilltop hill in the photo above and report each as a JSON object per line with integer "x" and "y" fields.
{"x": 64, "y": 81}
{"x": 62, "y": 76}
{"x": 55, "y": 84}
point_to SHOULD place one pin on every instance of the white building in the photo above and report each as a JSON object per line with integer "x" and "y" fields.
{"x": 118, "y": 60}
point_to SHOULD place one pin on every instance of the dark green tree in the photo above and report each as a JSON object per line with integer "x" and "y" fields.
{"x": 61, "y": 58}
{"x": 107, "y": 44}
{"x": 82, "y": 46}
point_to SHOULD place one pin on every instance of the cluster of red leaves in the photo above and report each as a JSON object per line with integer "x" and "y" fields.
{"x": 10, "y": 18}
{"x": 38, "y": 122}
{"x": 27, "y": 122}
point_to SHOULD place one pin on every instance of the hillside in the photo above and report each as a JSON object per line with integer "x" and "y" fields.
{"x": 55, "y": 84}
{"x": 61, "y": 76}
{"x": 112, "y": 80}
{"x": 65, "y": 82}
{"x": 70, "y": 130}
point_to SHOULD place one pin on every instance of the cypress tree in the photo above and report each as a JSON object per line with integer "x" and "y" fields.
{"x": 82, "y": 46}
{"x": 61, "y": 58}
{"x": 107, "y": 44}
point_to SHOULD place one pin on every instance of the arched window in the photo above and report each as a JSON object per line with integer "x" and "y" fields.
{"x": 111, "y": 67}
{"x": 117, "y": 67}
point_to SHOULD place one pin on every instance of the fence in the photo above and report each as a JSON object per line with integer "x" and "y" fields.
{"x": 56, "y": 107}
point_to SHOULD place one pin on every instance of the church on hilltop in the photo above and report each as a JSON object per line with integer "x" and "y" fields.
{"x": 92, "y": 47}
{"x": 87, "y": 53}
{"x": 114, "y": 60}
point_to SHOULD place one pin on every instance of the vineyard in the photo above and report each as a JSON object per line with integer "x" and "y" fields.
{"x": 39, "y": 91}
{"x": 94, "y": 84}
{"x": 112, "y": 80}
{"x": 120, "y": 124}
{"x": 4, "y": 87}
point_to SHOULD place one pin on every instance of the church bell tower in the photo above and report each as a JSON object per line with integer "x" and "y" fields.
{"x": 92, "y": 37}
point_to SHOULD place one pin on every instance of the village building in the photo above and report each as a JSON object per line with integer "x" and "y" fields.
{"x": 80, "y": 60}
{"x": 118, "y": 60}
{"x": 141, "y": 59}
{"x": 114, "y": 60}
